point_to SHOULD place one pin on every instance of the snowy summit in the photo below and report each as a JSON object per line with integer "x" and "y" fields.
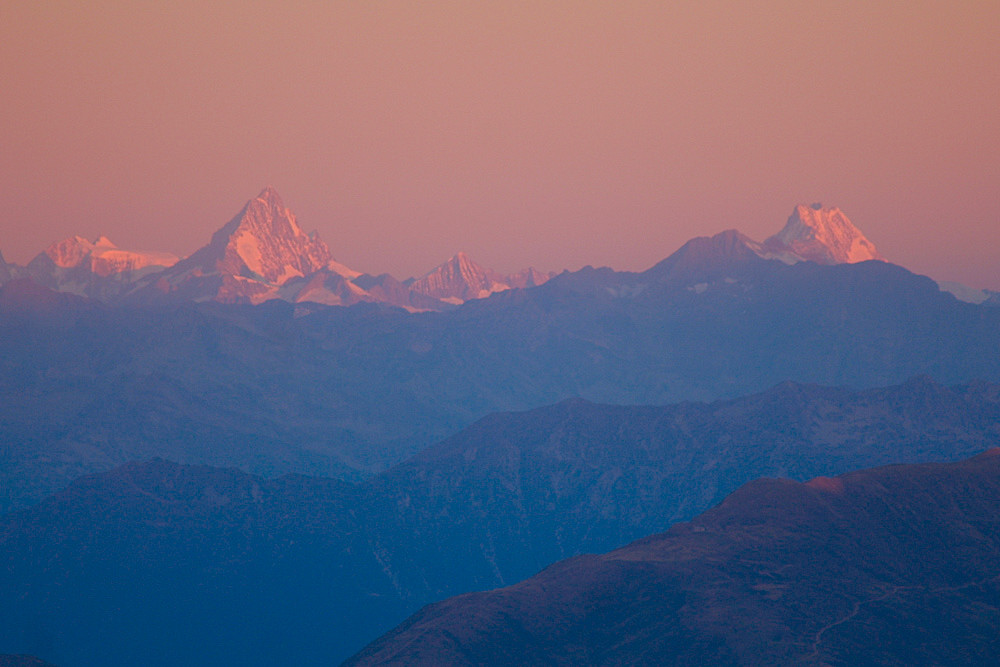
{"x": 822, "y": 235}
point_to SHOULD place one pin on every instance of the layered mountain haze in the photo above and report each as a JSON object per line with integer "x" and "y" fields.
{"x": 348, "y": 391}
{"x": 465, "y": 429}
{"x": 115, "y": 567}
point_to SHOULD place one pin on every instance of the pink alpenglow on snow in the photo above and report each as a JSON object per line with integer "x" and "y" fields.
{"x": 822, "y": 235}
{"x": 103, "y": 257}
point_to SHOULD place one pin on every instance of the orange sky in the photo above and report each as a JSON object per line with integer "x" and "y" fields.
{"x": 553, "y": 134}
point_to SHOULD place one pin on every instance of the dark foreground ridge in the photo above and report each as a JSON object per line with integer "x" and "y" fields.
{"x": 894, "y": 565}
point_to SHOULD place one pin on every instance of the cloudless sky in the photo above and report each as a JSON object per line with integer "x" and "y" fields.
{"x": 553, "y": 134}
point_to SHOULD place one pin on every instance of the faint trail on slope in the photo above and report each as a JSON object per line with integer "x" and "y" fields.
{"x": 818, "y": 638}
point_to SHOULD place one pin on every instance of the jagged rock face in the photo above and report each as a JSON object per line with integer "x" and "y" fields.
{"x": 260, "y": 254}
{"x": 325, "y": 287}
{"x": 96, "y": 269}
{"x": 460, "y": 279}
{"x": 69, "y": 252}
{"x": 101, "y": 257}
{"x": 265, "y": 242}
{"x": 822, "y": 235}
{"x": 529, "y": 277}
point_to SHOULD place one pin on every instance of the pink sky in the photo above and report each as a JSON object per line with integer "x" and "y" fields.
{"x": 547, "y": 134}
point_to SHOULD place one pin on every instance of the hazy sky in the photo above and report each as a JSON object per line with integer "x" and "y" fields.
{"x": 525, "y": 133}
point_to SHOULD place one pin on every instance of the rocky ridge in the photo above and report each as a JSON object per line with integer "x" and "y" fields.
{"x": 460, "y": 279}
{"x": 895, "y": 565}
{"x": 822, "y": 235}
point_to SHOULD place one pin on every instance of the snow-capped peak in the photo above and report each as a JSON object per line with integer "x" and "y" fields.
{"x": 263, "y": 242}
{"x": 270, "y": 197}
{"x": 78, "y": 265}
{"x": 459, "y": 279}
{"x": 103, "y": 257}
{"x": 822, "y": 235}
{"x": 69, "y": 252}
{"x": 261, "y": 249}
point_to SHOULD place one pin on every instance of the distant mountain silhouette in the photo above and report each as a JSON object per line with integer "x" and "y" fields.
{"x": 895, "y": 565}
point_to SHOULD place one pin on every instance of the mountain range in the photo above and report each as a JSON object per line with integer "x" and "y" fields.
{"x": 260, "y": 254}
{"x": 257, "y": 455}
{"x": 263, "y": 254}
{"x": 87, "y": 385}
{"x": 895, "y": 565}
{"x": 303, "y": 570}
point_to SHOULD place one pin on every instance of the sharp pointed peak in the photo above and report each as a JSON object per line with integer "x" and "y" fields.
{"x": 822, "y": 234}
{"x": 456, "y": 261}
{"x": 271, "y": 197}
{"x": 816, "y": 214}
{"x": 262, "y": 244}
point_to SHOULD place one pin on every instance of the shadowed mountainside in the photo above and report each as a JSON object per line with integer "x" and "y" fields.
{"x": 307, "y": 570}
{"x": 895, "y": 565}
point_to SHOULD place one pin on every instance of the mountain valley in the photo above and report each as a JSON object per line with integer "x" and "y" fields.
{"x": 121, "y": 564}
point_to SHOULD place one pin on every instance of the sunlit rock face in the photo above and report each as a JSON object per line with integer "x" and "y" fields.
{"x": 460, "y": 279}
{"x": 257, "y": 252}
{"x": 265, "y": 242}
{"x": 102, "y": 257}
{"x": 97, "y": 269}
{"x": 822, "y": 235}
